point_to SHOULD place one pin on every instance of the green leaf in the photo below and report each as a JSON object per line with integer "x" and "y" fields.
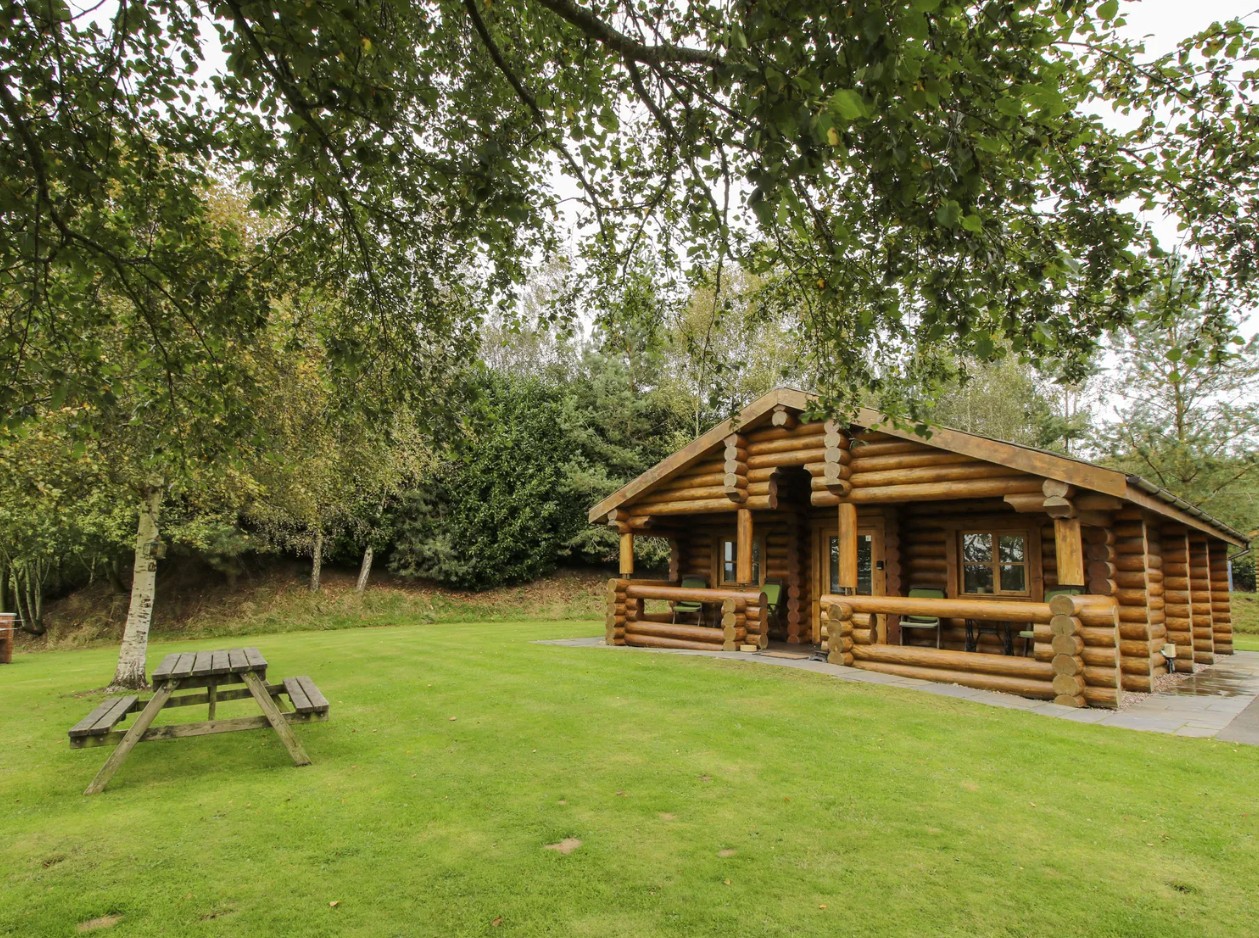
{"x": 848, "y": 104}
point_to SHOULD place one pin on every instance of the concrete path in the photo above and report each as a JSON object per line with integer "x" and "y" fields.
{"x": 1221, "y": 702}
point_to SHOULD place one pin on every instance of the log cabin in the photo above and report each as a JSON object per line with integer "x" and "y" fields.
{"x": 948, "y": 557}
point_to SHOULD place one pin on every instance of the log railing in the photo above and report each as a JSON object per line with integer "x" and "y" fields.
{"x": 1076, "y": 659}
{"x": 741, "y": 622}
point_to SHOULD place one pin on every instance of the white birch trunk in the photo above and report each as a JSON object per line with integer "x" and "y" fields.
{"x": 135, "y": 637}
{"x": 364, "y": 571}
{"x": 316, "y": 561}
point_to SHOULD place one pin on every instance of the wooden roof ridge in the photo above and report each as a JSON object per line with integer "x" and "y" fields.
{"x": 1030, "y": 459}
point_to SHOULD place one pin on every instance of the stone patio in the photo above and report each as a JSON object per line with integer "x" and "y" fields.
{"x": 1220, "y": 702}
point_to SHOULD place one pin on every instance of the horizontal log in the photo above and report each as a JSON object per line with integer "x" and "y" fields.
{"x": 646, "y": 590}
{"x": 924, "y": 474}
{"x": 1099, "y": 636}
{"x": 988, "y": 610}
{"x": 972, "y": 488}
{"x": 866, "y": 463}
{"x": 1010, "y": 685}
{"x": 887, "y": 447}
{"x": 1100, "y": 657}
{"x": 1102, "y": 697}
{"x": 653, "y": 641}
{"x": 682, "y": 507}
{"x": 760, "y": 446}
{"x": 679, "y": 483}
{"x": 1135, "y": 665}
{"x": 1088, "y": 608}
{"x": 797, "y": 457}
{"x": 949, "y": 660}
{"x": 692, "y": 633}
{"x": 800, "y": 431}
{"x": 1137, "y": 683}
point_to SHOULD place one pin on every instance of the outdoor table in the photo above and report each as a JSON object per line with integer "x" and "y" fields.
{"x": 206, "y": 674}
{"x": 1003, "y": 630}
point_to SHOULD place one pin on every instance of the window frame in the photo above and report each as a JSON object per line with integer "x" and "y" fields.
{"x": 1028, "y": 563}
{"x": 719, "y": 559}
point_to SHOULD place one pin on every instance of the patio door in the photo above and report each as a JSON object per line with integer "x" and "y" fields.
{"x": 871, "y": 578}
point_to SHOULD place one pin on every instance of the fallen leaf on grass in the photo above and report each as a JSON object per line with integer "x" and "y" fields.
{"x": 565, "y": 846}
{"x": 498, "y": 921}
{"x": 666, "y": 816}
{"x": 452, "y": 719}
{"x": 727, "y": 852}
{"x": 334, "y": 903}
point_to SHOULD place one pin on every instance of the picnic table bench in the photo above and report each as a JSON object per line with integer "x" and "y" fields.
{"x": 210, "y": 676}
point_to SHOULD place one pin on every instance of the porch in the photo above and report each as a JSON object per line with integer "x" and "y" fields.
{"x": 1076, "y": 656}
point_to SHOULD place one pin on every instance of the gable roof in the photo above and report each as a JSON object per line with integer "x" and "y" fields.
{"x": 1028, "y": 459}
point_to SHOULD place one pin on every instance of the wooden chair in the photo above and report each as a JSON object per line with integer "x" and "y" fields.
{"x": 773, "y": 590}
{"x": 686, "y": 607}
{"x": 1029, "y": 635}
{"x": 917, "y": 623}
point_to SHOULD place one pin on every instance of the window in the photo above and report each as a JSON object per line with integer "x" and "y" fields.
{"x": 865, "y": 564}
{"x": 994, "y": 562}
{"x": 727, "y": 560}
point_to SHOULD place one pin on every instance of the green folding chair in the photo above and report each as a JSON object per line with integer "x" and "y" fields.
{"x": 686, "y": 607}
{"x": 773, "y": 590}
{"x": 922, "y": 623}
{"x": 1029, "y": 635}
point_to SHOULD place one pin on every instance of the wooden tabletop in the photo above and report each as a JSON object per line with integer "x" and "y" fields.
{"x": 188, "y": 664}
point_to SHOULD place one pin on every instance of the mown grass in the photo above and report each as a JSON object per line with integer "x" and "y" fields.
{"x": 1245, "y": 610}
{"x": 710, "y": 798}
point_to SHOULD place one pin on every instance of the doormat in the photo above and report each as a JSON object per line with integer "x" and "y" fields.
{"x": 798, "y": 656}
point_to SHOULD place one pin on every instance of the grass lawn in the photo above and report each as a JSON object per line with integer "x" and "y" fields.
{"x": 710, "y": 798}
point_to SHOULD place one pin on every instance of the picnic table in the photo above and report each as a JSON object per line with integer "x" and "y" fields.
{"x": 210, "y": 676}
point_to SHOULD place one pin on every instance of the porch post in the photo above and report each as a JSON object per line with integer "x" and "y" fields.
{"x": 1070, "y": 552}
{"x": 627, "y": 552}
{"x": 847, "y": 566}
{"x": 743, "y": 548}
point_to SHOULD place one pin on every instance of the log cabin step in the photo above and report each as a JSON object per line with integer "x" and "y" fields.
{"x": 104, "y": 718}
{"x": 305, "y": 695}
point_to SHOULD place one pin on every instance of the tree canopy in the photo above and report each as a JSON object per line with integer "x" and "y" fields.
{"x": 914, "y": 173}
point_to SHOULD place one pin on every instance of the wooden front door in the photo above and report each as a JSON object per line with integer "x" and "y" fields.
{"x": 871, "y": 578}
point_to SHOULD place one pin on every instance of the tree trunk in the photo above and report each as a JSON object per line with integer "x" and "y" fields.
{"x": 316, "y": 561}
{"x": 29, "y": 579}
{"x": 135, "y": 637}
{"x": 364, "y": 571}
{"x": 113, "y": 573}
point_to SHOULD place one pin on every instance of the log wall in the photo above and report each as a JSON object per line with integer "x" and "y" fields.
{"x": 1201, "y": 608}
{"x": 1156, "y": 603}
{"x": 888, "y": 470}
{"x": 1178, "y": 593}
{"x": 1221, "y": 613}
{"x": 1132, "y": 592}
